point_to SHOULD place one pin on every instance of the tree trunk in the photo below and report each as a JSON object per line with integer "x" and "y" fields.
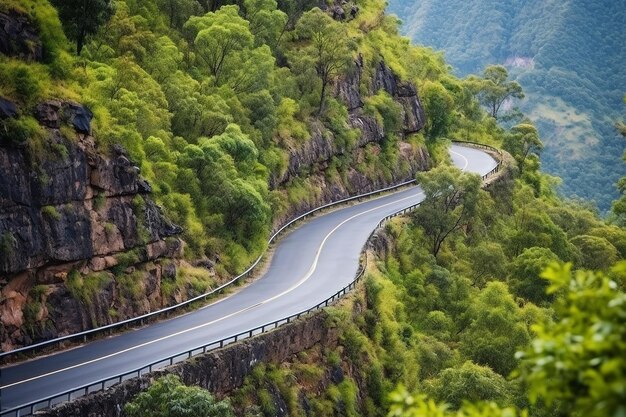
{"x": 80, "y": 41}
{"x": 321, "y": 106}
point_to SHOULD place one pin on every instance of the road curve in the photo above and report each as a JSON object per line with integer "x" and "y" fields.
{"x": 309, "y": 265}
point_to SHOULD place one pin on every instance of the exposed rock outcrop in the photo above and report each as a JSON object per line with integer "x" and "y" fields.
{"x": 349, "y": 88}
{"x": 66, "y": 212}
{"x": 405, "y": 94}
{"x": 314, "y": 156}
{"x": 321, "y": 147}
{"x": 52, "y": 113}
{"x": 19, "y": 37}
{"x": 7, "y": 108}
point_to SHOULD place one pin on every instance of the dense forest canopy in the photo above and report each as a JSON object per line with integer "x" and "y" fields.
{"x": 568, "y": 56}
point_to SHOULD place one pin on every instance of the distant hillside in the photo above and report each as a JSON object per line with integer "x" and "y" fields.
{"x": 569, "y": 57}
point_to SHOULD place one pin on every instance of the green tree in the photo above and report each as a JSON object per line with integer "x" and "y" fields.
{"x": 523, "y": 142}
{"x": 246, "y": 213}
{"x": 439, "y": 106}
{"x": 249, "y": 71}
{"x": 494, "y": 88}
{"x": 532, "y": 226}
{"x": 488, "y": 261}
{"x": 178, "y": 11}
{"x": 615, "y": 235}
{"x": 168, "y": 397}
{"x": 266, "y": 21}
{"x": 228, "y": 185}
{"x": 496, "y": 331}
{"x": 163, "y": 60}
{"x": 404, "y": 404}
{"x": 470, "y": 112}
{"x": 123, "y": 34}
{"x": 470, "y": 382}
{"x": 451, "y": 199}
{"x": 82, "y": 18}
{"x": 327, "y": 48}
{"x": 579, "y": 359}
{"x": 525, "y": 277}
{"x": 619, "y": 206}
{"x": 218, "y": 36}
{"x": 596, "y": 252}
{"x": 195, "y": 114}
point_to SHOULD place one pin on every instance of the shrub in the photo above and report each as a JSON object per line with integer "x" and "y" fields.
{"x": 168, "y": 397}
{"x": 51, "y": 213}
{"x": 19, "y": 131}
{"x": 86, "y": 288}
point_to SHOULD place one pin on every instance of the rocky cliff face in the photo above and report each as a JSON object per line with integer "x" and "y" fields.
{"x": 72, "y": 222}
{"x": 314, "y": 156}
{"x": 19, "y": 38}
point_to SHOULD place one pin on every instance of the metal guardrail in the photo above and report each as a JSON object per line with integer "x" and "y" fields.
{"x": 101, "y": 385}
{"x": 486, "y": 147}
{"x": 139, "y": 320}
{"x": 478, "y": 145}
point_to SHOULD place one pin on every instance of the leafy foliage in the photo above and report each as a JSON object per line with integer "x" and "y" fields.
{"x": 404, "y": 404}
{"x": 450, "y": 203}
{"x": 327, "y": 50}
{"x": 494, "y": 88}
{"x": 523, "y": 142}
{"x": 578, "y": 360}
{"x": 168, "y": 397}
{"x": 470, "y": 382}
{"x": 82, "y": 18}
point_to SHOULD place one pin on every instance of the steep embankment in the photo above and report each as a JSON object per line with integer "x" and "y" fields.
{"x": 568, "y": 57}
{"x": 84, "y": 243}
{"x": 71, "y": 218}
{"x": 316, "y": 155}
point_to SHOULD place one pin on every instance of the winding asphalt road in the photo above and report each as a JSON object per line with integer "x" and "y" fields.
{"x": 309, "y": 265}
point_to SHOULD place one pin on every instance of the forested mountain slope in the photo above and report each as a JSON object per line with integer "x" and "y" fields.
{"x": 568, "y": 56}
{"x": 147, "y": 152}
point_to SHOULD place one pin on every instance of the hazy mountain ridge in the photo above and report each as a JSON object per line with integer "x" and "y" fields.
{"x": 568, "y": 57}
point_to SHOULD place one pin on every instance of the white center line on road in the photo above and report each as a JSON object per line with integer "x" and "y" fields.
{"x": 299, "y": 283}
{"x": 462, "y": 156}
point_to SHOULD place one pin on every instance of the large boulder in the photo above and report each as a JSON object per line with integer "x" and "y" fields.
{"x": 51, "y": 113}
{"x": 7, "y": 109}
